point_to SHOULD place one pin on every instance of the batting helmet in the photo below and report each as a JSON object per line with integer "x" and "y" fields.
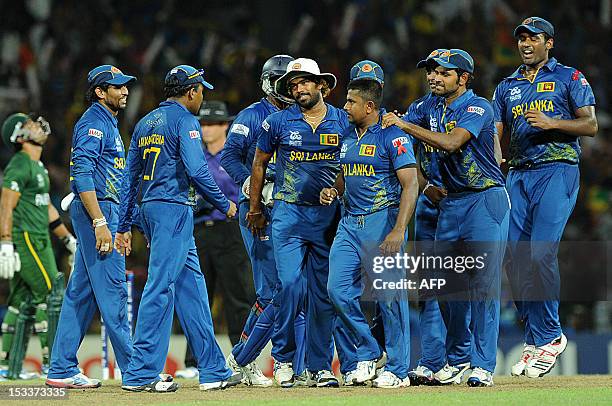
{"x": 274, "y": 68}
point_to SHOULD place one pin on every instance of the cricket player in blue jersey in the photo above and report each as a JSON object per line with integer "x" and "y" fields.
{"x": 237, "y": 159}
{"x": 430, "y": 369}
{"x": 476, "y": 208}
{"x": 97, "y": 164}
{"x": 545, "y": 107}
{"x": 166, "y": 165}
{"x": 379, "y": 185}
{"x": 306, "y": 139}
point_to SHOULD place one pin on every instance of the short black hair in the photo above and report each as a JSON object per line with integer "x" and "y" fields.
{"x": 470, "y": 77}
{"x": 90, "y": 94}
{"x": 369, "y": 90}
{"x": 178, "y": 91}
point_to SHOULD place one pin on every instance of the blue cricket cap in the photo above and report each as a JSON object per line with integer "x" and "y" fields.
{"x": 535, "y": 25}
{"x": 186, "y": 75}
{"x": 423, "y": 62}
{"x": 367, "y": 70}
{"x": 108, "y": 74}
{"x": 455, "y": 59}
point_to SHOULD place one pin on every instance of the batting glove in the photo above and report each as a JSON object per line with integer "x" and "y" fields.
{"x": 9, "y": 260}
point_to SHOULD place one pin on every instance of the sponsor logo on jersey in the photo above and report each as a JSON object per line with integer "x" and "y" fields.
{"x": 515, "y": 94}
{"x": 399, "y": 143}
{"x": 433, "y": 123}
{"x": 41, "y": 199}
{"x": 329, "y": 139}
{"x": 476, "y": 109}
{"x": 295, "y": 138}
{"x": 584, "y": 82}
{"x": 118, "y": 144}
{"x": 343, "y": 150}
{"x": 95, "y": 133}
{"x": 265, "y": 125}
{"x": 367, "y": 150}
{"x": 240, "y": 129}
{"x": 195, "y": 134}
{"x": 546, "y": 87}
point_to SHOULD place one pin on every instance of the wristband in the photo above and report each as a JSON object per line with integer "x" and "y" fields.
{"x": 99, "y": 222}
{"x": 337, "y": 193}
{"x": 55, "y": 224}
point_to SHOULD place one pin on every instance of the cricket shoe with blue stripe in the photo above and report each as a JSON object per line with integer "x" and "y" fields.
{"x": 326, "y": 379}
{"x": 366, "y": 371}
{"x": 78, "y": 381}
{"x": 480, "y": 377}
{"x": 283, "y": 374}
{"x": 233, "y": 380}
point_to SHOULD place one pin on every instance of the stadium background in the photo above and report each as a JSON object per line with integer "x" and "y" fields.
{"x": 47, "y": 47}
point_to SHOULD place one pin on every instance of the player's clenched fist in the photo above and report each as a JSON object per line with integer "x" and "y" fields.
{"x": 231, "y": 212}
{"x": 328, "y": 195}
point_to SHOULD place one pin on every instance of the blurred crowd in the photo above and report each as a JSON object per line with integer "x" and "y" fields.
{"x": 48, "y": 46}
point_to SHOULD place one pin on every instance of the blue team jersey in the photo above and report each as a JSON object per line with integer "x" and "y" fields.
{"x": 473, "y": 166}
{"x": 306, "y": 160}
{"x": 166, "y": 161}
{"x": 428, "y": 162}
{"x": 97, "y": 159}
{"x": 239, "y": 151}
{"x": 369, "y": 163}
{"x": 556, "y": 90}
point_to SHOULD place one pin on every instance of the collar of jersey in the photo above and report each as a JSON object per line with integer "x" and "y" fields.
{"x": 270, "y": 108}
{"x": 458, "y": 102}
{"x": 105, "y": 111}
{"x": 294, "y": 113}
{"x": 173, "y": 102}
{"x": 517, "y": 74}
{"x": 374, "y": 128}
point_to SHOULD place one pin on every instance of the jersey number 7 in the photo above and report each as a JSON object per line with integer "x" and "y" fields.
{"x": 150, "y": 161}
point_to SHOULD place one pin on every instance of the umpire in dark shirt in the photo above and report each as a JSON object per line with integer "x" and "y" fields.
{"x": 222, "y": 254}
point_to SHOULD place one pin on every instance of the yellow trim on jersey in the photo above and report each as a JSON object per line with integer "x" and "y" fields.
{"x": 37, "y": 259}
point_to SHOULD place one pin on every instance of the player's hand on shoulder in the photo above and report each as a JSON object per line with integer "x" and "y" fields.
{"x": 390, "y": 119}
{"x": 9, "y": 260}
{"x": 327, "y": 195}
{"x": 231, "y": 212}
{"x": 393, "y": 242}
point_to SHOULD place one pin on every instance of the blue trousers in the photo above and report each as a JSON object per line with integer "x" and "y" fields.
{"x": 96, "y": 281}
{"x": 302, "y": 239}
{"x": 542, "y": 199}
{"x": 345, "y": 290}
{"x": 260, "y": 324}
{"x": 174, "y": 279}
{"x": 479, "y": 218}
{"x": 433, "y": 330}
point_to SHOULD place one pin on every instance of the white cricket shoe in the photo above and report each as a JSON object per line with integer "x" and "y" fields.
{"x": 366, "y": 371}
{"x": 78, "y": 381}
{"x": 156, "y": 386}
{"x": 348, "y": 378}
{"x": 326, "y": 379}
{"x": 518, "y": 369}
{"x": 545, "y": 357}
{"x": 422, "y": 375}
{"x": 254, "y": 376}
{"x": 233, "y": 380}
{"x": 388, "y": 380}
{"x": 480, "y": 377}
{"x": 283, "y": 374}
{"x": 188, "y": 373}
{"x": 451, "y": 374}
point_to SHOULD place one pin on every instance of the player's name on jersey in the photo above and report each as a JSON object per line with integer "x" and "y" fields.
{"x": 358, "y": 170}
{"x": 311, "y": 156}
{"x": 541, "y": 105}
{"x": 156, "y": 139}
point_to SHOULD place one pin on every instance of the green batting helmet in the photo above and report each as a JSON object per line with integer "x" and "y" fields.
{"x": 11, "y": 128}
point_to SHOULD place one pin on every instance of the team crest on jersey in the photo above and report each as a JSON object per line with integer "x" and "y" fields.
{"x": 546, "y": 87}
{"x": 449, "y": 126}
{"x": 95, "y": 133}
{"x": 329, "y": 139}
{"x": 240, "y": 129}
{"x": 194, "y": 135}
{"x": 399, "y": 143}
{"x": 367, "y": 150}
{"x": 515, "y": 94}
{"x": 295, "y": 138}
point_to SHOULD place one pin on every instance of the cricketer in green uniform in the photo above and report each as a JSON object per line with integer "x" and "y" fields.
{"x": 26, "y": 254}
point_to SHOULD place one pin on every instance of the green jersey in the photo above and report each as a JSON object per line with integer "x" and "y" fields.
{"x": 31, "y": 180}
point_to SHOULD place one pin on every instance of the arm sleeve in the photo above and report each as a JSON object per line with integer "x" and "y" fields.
{"x": 400, "y": 148}
{"x": 16, "y": 174}
{"x": 242, "y": 134}
{"x": 268, "y": 140}
{"x": 580, "y": 92}
{"x": 192, "y": 155}
{"x": 87, "y": 148}
{"x": 130, "y": 186}
{"x": 498, "y": 104}
{"x": 475, "y": 116}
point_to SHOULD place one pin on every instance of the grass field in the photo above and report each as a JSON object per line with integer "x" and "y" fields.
{"x": 585, "y": 389}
